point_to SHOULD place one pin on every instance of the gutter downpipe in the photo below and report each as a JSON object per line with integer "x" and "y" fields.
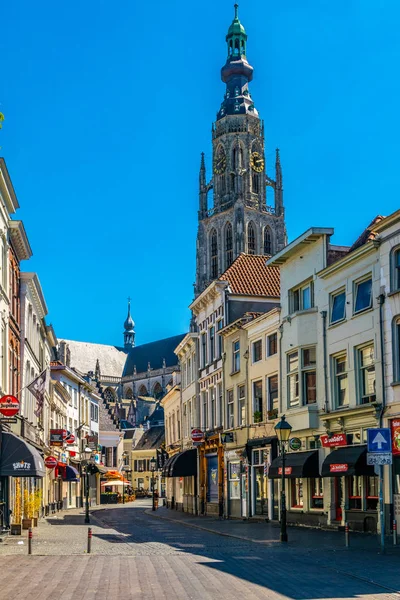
{"x": 381, "y": 301}
{"x": 324, "y": 315}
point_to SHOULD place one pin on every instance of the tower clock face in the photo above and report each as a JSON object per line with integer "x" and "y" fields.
{"x": 219, "y": 162}
{"x": 257, "y": 162}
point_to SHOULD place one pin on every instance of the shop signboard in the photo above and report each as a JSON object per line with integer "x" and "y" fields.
{"x": 339, "y": 468}
{"x": 295, "y": 443}
{"x": 395, "y": 428}
{"x": 288, "y": 471}
{"x": 9, "y": 406}
{"x": 337, "y": 439}
{"x": 57, "y": 437}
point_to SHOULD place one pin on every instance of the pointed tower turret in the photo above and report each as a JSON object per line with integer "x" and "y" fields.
{"x": 202, "y": 189}
{"x": 129, "y": 326}
{"x": 279, "y": 210}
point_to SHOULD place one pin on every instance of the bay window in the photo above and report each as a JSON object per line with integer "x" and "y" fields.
{"x": 309, "y": 374}
{"x": 301, "y": 297}
{"x": 293, "y": 378}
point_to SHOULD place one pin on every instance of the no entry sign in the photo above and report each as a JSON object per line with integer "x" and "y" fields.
{"x": 9, "y": 406}
{"x": 197, "y": 435}
{"x": 50, "y": 462}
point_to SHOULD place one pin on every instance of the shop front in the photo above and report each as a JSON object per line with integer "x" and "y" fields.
{"x": 304, "y": 487}
{"x": 180, "y": 471}
{"x": 263, "y": 497}
{"x": 211, "y": 479}
{"x": 354, "y": 488}
{"x": 21, "y": 477}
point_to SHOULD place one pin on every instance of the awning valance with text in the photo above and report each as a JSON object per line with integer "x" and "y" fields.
{"x": 347, "y": 460}
{"x": 297, "y": 464}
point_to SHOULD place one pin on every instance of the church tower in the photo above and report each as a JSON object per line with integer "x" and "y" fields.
{"x": 129, "y": 327}
{"x": 240, "y": 219}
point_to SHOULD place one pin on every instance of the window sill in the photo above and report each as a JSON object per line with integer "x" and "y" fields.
{"x": 362, "y": 312}
{"x": 234, "y": 373}
{"x": 395, "y": 383}
{"x": 393, "y": 293}
{"x": 337, "y": 323}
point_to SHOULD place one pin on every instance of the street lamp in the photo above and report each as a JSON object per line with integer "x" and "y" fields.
{"x": 88, "y": 453}
{"x": 153, "y": 470}
{"x": 283, "y": 430}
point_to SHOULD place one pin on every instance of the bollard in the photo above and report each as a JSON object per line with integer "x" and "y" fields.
{"x": 30, "y": 540}
{"x": 346, "y": 534}
{"x": 394, "y": 532}
{"x": 89, "y": 540}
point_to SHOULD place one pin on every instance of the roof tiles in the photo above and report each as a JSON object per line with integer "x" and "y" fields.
{"x": 249, "y": 275}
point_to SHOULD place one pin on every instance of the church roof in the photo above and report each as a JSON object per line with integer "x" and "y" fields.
{"x": 85, "y": 354}
{"x": 153, "y": 353}
{"x": 248, "y": 275}
{"x": 151, "y": 439}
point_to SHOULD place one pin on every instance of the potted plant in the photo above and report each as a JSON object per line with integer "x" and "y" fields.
{"x": 28, "y": 510}
{"x": 16, "y": 525}
{"x": 257, "y": 416}
{"x": 37, "y": 504}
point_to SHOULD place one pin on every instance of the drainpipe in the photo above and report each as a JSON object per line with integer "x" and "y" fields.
{"x": 280, "y": 366}
{"x": 324, "y": 315}
{"x": 381, "y": 301}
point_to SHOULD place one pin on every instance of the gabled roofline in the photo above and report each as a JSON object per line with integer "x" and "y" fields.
{"x": 9, "y": 196}
{"x": 19, "y": 240}
{"x": 32, "y": 281}
{"x": 349, "y": 258}
{"x": 263, "y": 317}
{"x": 209, "y": 293}
{"x": 305, "y": 239}
{"x": 387, "y": 222}
{"x": 190, "y": 337}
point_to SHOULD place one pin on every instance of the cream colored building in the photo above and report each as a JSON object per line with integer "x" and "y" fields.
{"x": 331, "y": 378}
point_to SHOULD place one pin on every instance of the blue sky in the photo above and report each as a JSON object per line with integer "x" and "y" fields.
{"x": 108, "y": 106}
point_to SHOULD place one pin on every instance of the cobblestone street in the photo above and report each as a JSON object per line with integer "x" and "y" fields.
{"x": 135, "y": 555}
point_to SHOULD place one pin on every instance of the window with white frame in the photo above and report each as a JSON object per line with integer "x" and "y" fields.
{"x": 366, "y": 374}
{"x": 230, "y": 409}
{"x": 258, "y": 413}
{"x": 212, "y": 344}
{"x": 273, "y": 396}
{"x": 340, "y": 383}
{"x": 272, "y": 344}
{"x": 213, "y": 408}
{"x": 293, "y": 378}
{"x": 362, "y": 295}
{"x": 189, "y": 370}
{"x": 204, "y": 408}
{"x": 219, "y": 327}
{"x": 395, "y": 270}
{"x": 338, "y": 306}
{"x": 257, "y": 351}
{"x": 301, "y": 297}
{"x": 241, "y": 394}
{"x": 236, "y": 356}
{"x": 396, "y": 348}
{"x": 220, "y": 404}
{"x": 203, "y": 349}
{"x": 309, "y": 375}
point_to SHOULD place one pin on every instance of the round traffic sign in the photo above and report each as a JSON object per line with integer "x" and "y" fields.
{"x": 197, "y": 435}
{"x": 50, "y": 462}
{"x": 70, "y": 439}
{"x": 9, "y": 406}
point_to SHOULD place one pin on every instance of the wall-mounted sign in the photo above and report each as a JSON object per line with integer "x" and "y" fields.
{"x": 338, "y": 439}
{"x": 70, "y": 439}
{"x": 57, "y": 437}
{"x": 9, "y": 406}
{"x": 288, "y": 471}
{"x": 395, "y": 427}
{"x": 339, "y": 468}
{"x": 50, "y": 462}
{"x": 295, "y": 443}
{"x": 197, "y": 435}
{"x": 91, "y": 441}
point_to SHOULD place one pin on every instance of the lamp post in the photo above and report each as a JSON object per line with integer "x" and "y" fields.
{"x": 283, "y": 430}
{"x": 153, "y": 470}
{"x": 88, "y": 453}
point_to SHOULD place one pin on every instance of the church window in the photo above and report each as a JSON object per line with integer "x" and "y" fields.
{"x": 157, "y": 391}
{"x": 129, "y": 393}
{"x": 255, "y": 183}
{"x": 229, "y": 245}
{"x": 234, "y": 158}
{"x": 143, "y": 391}
{"x": 232, "y": 182}
{"x": 109, "y": 395}
{"x": 223, "y": 185}
{"x": 267, "y": 241}
{"x": 251, "y": 239}
{"x": 214, "y": 254}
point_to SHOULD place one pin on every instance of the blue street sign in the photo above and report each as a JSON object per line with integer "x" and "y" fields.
{"x": 379, "y": 440}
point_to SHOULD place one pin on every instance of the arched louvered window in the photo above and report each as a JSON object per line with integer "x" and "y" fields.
{"x": 267, "y": 241}
{"x": 213, "y": 254}
{"x": 255, "y": 183}
{"x": 251, "y": 239}
{"x": 228, "y": 245}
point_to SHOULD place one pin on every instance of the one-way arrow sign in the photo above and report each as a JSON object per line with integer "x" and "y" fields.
{"x": 379, "y": 440}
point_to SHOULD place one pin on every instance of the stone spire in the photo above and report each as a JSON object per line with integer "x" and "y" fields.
{"x": 202, "y": 189}
{"x": 279, "y": 210}
{"x": 129, "y": 326}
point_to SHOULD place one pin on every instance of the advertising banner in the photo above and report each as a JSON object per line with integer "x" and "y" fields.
{"x": 395, "y": 427}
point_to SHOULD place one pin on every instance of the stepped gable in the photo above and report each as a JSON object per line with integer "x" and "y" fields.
{"x": 248, "y": 275}
{"x": 153, "y": 353}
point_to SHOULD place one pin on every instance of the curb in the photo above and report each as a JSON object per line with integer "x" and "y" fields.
{"x": 202, "y": 528}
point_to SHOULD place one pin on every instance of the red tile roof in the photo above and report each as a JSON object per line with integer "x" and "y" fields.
{"x": 368, "y": 234}
{"x": 249, "y": 275}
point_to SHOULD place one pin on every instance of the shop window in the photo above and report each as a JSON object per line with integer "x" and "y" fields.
{"x": 309, "y": 374}
{"x": 302, "y": 297}
{"x": 355, "y": 492}
{"x": 273, "y": 396}
{"x": 372, "y": 485}
{"x": 258, "y": 415}
{"x": 293, "y": 378}
{"x": 366, "y": 374}
{"x": 340, "y": 383}
{"x": 296, "y": 493}
{"x": 241, "y": 405}
{"x": 272, "y": 344}
{"x": 236, "y": 356}
{"x": 338, "y": 306}
{"x": 362, "y": 295}
{"x": 257, "y": 351}
{"x": 316, "y": 493}
{"x": 234, "y": 480}
{"x": 230, "y": 414}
